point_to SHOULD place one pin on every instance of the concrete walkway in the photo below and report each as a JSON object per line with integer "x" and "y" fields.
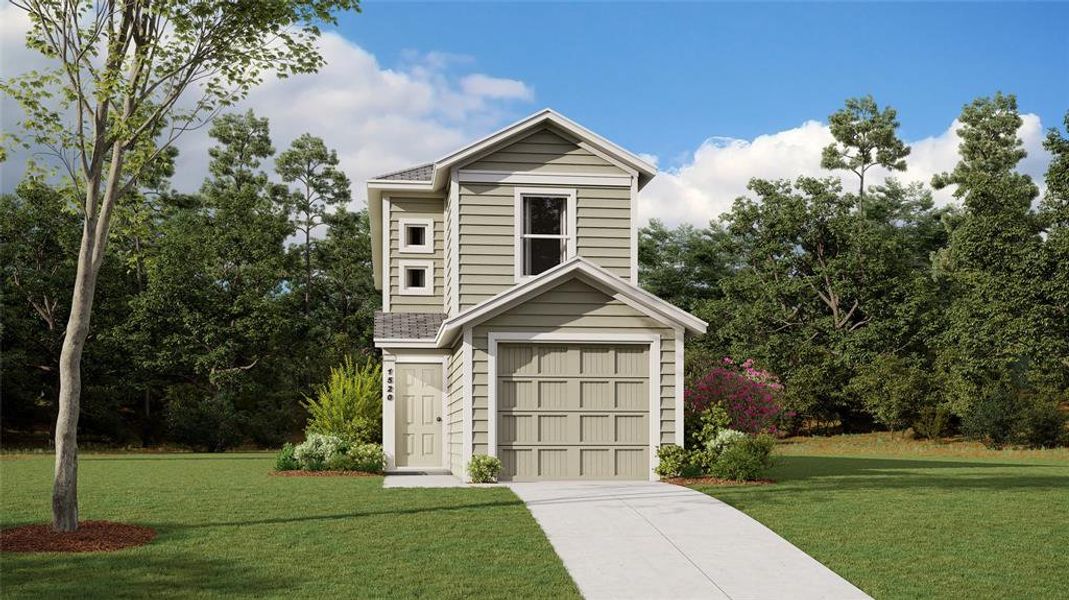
{"x": 655, "y": 540}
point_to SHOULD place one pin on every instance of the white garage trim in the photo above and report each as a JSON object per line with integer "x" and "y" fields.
{"x": 469, "y": 411}
{"x": 680, "y": 434}
{"x": 651, "y": 340}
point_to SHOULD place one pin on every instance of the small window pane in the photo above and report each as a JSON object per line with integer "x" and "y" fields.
{"x": 415, "y": 235}
{"x": 415, "y": 278}
{"x": 543, "y": 254}
{"x": 545, "y": 216}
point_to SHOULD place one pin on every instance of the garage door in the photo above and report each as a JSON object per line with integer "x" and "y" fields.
{"x": 573, "y": 411}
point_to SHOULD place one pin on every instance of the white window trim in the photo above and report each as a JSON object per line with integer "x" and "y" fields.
{"x": 402, "y": 282}
{"x": 570, "y": 221}
{"x": 402, "y": 229}
{"x": 653, "y": 341}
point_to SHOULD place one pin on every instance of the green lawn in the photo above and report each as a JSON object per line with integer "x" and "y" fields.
{"x": 922, "y": 520}
{"x": 227, "y": 528}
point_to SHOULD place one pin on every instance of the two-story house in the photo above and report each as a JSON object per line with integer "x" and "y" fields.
{"x": 512, "y": 321}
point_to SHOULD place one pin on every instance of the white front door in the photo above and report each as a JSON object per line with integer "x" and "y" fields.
{"x": 419, "y": 415}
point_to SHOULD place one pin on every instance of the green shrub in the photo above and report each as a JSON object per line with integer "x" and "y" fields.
{"x": 368, "y": 458}
{"x": 701, "y": 427}
{"x": 1041, "y": 425}
{"x": 484, "y": 469}
{"x": 316, "y": 452}
{"x": 285, "y": 460}
{"x": 674, "y": 461}
{"x": 724, "y": 439}
{"x": 932, "y": 422}
{"x": 329, "y": 452}
{"x": 203, "y": 422}
{"x": 745, "y": 459}
{"x": 892, "y": 390}
{"x": 994, "y": 416}
{"x": 349, "y": 406}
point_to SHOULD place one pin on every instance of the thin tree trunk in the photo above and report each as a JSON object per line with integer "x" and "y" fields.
{"x": 307, "y": 270}
{"x": 90, "y": 258}
{"x": 65, "y": 483}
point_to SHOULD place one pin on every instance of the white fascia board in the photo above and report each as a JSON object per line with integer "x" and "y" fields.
{"x": 542, "y": 117}
{"x": 404, "y": 343}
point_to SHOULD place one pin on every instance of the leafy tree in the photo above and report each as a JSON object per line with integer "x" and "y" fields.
{"x": 893, "y": 389}
{"x": 122, "y": 68}
{"x": 1054, "y": 218}
{"x": 865, "y": 137}
{"x": 320, "y": 185}
{"x": 993, "y": 258}
{"x": 38, "y": 240}
{"x": 348, "y": 299}
{"x": 821, "y": 290}
{"x": 213, "y": 314}
{"x": 682, "y": 265}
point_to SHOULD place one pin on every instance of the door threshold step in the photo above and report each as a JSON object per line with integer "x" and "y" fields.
{"x": 419, "y": 472}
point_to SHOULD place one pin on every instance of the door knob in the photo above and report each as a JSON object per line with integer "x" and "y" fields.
{"x": 439, "y": 419}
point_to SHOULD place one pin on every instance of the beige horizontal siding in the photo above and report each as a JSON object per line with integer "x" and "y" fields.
{"x": 487, "y": 225}
{"x": 417, "y": 208}
{"x": 547, "y": 151}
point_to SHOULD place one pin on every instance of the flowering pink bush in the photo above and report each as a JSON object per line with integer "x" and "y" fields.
{"x": 749, "y": 395}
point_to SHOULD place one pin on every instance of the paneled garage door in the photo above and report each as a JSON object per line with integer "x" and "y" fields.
{"x": 573, "y": 411}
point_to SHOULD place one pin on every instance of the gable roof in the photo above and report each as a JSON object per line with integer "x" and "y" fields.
{"x": 431, "y": 178}
{"x": 589, "y": 273}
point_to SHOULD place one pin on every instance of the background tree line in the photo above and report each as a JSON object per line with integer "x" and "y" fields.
{"x": 878, "y": 309}
{"x": 216, "y": 311}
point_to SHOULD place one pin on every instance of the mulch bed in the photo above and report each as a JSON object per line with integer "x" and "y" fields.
{"x": 687, "y": 481}
{"x": 92, "y": 536}
{"x": 324, "y": 474}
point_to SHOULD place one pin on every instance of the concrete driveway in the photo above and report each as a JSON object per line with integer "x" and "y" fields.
{"x": 655, "y": 540}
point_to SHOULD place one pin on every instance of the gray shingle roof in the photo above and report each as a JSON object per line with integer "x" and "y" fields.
{"x": 417, "y": 173}
{"x": 407, "y": 326}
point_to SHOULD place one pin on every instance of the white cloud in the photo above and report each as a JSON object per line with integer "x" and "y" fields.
{"x": 493, "y": 87}
{"x": 717, "y": 173}
{"x": 378, "y": 119}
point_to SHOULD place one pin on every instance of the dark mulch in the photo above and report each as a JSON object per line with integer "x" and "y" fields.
{"x": 92, "y": 536}
{"x": 324, "y": 474}
{"x": 687, "y": 481}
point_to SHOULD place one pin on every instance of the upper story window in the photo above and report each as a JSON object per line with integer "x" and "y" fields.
{"x": 416, "y": 235}
{"x": 416, "y": 278}
{"x": 545, "y": 229}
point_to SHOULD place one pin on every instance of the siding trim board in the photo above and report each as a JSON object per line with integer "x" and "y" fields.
{"x": 680, "y": 435}
{"x": 652, "y": 341}
{"x": 543, "y": 178}
{"x": 386, "y": 253}
{"x": 469, "y": 411}
{"x": 453, "y": 243}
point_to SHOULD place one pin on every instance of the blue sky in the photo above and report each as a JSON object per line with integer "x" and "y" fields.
{"x": 663, "y": 77}
{"x": 715, "y": 93}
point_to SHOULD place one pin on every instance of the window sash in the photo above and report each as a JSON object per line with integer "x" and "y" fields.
{"x": 563, "y": 236}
